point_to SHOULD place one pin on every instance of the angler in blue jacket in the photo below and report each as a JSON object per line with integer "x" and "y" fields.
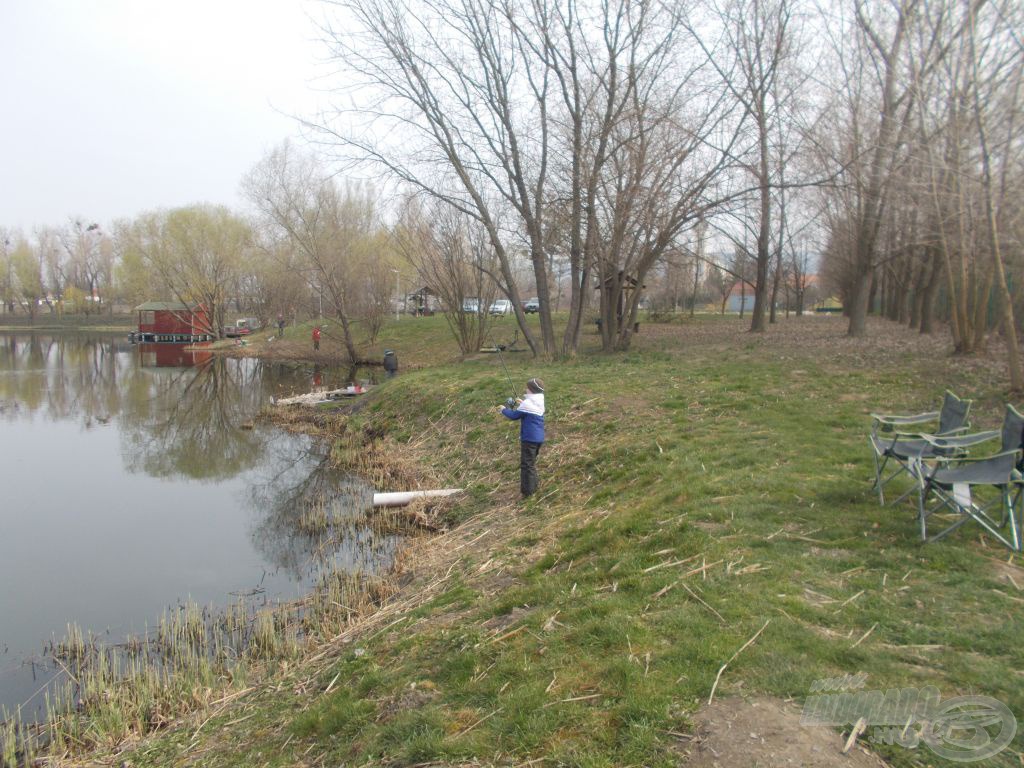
{"x": 529, "y": 411}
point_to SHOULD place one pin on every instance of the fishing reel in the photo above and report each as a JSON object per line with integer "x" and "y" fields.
{"x": 510, "y": 403}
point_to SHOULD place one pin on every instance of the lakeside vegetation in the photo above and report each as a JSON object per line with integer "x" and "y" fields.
{"x": 105, "y": 322}
{"x": 693, "y": 490}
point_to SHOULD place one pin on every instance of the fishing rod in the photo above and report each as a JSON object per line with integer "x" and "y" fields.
{"x": 497, "y": 348}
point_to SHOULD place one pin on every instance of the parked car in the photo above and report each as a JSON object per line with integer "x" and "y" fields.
{"x": 242, "y": 327}
{"x": 471, "y": 306}
{"x": 531, "y": 306}
{"x": 501, "y": 307}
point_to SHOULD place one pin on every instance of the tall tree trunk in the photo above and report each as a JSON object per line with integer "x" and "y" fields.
{"x": 757, "y": 319}
{"x": 992, "y": 227}
{"x": 931, "y": 290}
{"x": 859, "y": 304}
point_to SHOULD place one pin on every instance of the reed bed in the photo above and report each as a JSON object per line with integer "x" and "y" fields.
{"x": 196, "y": 657}
{"x": 193, "y": 658}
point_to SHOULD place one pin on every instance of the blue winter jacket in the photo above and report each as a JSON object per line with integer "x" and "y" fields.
{"x": 530, "y": 414}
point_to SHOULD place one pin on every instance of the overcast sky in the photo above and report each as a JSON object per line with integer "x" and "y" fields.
{"x": 112, "y": 107}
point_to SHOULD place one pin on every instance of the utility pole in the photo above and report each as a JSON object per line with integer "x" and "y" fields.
{"x": 398, "y": 291}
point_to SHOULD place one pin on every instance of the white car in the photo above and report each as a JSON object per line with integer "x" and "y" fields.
{"x": 501, "y": 307}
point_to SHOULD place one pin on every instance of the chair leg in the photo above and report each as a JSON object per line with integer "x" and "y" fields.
{"x": 1013, "y": 506}
{"x": 981, "y": 515}
{"x": 922, "y": 512}
{"x": 943, "y": 502}
{"x": 879, "y": 467}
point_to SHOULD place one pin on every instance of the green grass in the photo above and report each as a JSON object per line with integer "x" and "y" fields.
{"x": 701, "y": 445}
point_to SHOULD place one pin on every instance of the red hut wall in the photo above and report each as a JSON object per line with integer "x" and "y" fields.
{"x": 177, "y": 322}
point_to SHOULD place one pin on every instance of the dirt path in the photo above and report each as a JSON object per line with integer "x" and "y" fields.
{"x": 767, "y": 733}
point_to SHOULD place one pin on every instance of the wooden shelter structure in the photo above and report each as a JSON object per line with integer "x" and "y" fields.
{"x": 423, "y": 302}
{"x": 172, "y": 322}
{"x": 629, "y": 284}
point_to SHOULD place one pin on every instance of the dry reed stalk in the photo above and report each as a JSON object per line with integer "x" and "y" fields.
{"x": 865, "y": 635}
{"x": 703, "y": 569}
{"x": 672, "y": 564}
{"x": 711, "y": 696}
{"x": 699, "y": 600}
{"x": 847, "y": 601}
{"x": 859, "y": 727}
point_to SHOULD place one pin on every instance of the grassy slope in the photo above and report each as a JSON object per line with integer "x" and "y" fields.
{"x": 556, "y": 634}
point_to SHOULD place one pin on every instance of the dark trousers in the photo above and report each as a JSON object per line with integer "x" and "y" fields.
{"x": 528, "y": 467}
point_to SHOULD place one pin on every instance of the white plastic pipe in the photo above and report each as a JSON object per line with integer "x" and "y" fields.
{"x": 401, "y": 498}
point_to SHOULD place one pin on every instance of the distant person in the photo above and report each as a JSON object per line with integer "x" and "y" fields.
{"x": 316, "y": 338}
{"x": 390, "y": 363}
{"x": 529, "y": 411}
{"x": 280, "y": 325}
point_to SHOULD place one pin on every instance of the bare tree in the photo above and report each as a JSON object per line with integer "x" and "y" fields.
{"x": 897, "y": 62}
{"x": 720, "y": 283}
{"x": 986, "y": 54}
{"x": 754, "y": 46}
{"x": 7, "y": 285}
{"x": 27, "y": 267}
{"x": 374, "y": 291}
{"x": 194, "y": 254}
{"x": 513, "y": 112}
{"x": 454, "y": 259}
{"x": 332, "y": 228}
{"x": 83, "y": 264}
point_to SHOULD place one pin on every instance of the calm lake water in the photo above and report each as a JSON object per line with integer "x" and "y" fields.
{"x": 133, "y": 479}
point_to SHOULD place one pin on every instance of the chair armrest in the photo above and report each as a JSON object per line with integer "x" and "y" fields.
{"x": 961, "y": 441}
{"x": 950, "y": 434}
{"x": 943, "y": 461}
{"x": 897, "y": 420}
{"x": 887, "y": 420}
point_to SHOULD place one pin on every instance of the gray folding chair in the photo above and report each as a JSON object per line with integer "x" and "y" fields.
{"x": 986, "y": 490}
{"x": 891, "y": 441}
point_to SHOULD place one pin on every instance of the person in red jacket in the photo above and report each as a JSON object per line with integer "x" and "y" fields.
{"x": 316, "y": 337}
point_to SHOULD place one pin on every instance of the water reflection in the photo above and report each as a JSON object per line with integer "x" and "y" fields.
{"x": 181, "y": 412}
{"x": 187, "y": 421}
{"x": 136, "y": 479}
{"x": 316, "y": 520}
{"x": 62, "y": 378}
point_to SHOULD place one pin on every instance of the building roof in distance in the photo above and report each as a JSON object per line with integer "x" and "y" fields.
{"x": 167, "y": 306}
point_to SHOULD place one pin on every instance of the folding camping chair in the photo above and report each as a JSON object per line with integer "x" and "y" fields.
{"x": 891, "y": 442}
{"x": 986, "y": 490}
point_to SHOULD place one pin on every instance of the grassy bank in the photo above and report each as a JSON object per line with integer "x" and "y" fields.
{"x": 704, "y": 487}
{"x": 420, "y": 342}
{"x": 45, "y": 321}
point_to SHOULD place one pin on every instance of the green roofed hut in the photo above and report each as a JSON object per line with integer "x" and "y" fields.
{"x": 173, "y": 322}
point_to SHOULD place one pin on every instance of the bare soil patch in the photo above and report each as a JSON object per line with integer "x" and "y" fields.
{"x": 1009, "y": 573}
{"x": 766, "y": 733}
